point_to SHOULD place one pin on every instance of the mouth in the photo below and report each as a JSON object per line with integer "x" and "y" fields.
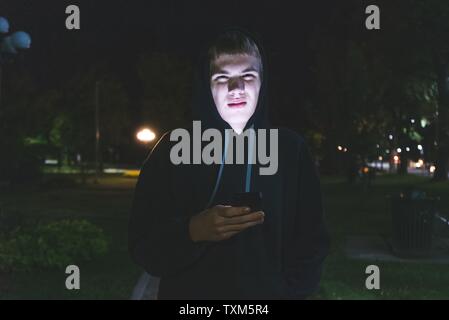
{"x": 237, "y": 104}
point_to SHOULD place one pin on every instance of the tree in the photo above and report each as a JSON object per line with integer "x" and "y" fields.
{"x": 19, "y": 162}
{"x": 419, "y": 30}
{"x": 74, "y": 123}
{"x": 167, "y": 84}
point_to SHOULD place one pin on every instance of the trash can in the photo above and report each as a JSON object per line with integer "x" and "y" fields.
{"x": 413, "y": 215}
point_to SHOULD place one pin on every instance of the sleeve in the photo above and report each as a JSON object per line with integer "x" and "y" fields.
{"x": 309, "y": 237}
{"x": 158, "y": 234}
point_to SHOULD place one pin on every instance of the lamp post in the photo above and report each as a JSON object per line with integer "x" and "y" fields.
{"x": 10, "y": 45}
{"x": 97, "y": 132}
{"x": 145, "y": 135}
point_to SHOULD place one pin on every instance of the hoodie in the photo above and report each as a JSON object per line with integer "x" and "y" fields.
{"x": 279, "y": 259}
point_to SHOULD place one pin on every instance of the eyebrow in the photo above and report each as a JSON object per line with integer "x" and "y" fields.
{"x": 221, "y": 71}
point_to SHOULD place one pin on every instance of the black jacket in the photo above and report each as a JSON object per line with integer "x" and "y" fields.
{"x": 279, "y": 259}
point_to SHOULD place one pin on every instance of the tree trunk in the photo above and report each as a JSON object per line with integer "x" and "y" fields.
{"x": 402, "y": 170}
{"x": 442, "y": 122}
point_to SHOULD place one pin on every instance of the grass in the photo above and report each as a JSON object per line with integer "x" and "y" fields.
{"x": 106, "y": 205}
{"x": 350, "y": 210}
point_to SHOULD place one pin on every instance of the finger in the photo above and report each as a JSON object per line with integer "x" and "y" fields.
{"x": 238, "y": 227}
{"x": 233, "y": 211}
{"x": 219, "y": 210}
{"x": 222, "y": 206}
{"x": 254, "y": 216}
{"x": 228, "y": 235}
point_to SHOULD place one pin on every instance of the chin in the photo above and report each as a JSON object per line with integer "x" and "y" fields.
{"x": 237, "y": 121}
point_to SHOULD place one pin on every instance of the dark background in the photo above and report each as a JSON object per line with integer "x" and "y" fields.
{"x": 117, "y": 33}
{"x": 356, "y": 95}
{"x": 331, "y": 79}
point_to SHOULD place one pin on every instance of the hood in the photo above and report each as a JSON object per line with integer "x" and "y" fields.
{"x": 203, "y": 104}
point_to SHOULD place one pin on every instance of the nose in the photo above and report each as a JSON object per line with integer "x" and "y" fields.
{"x": 236, "y": 86}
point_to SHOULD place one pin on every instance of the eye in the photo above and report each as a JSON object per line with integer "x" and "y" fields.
{"x": 221, "y": 79}
{"x": 249, "y": 77}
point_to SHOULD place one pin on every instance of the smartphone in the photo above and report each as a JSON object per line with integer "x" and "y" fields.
{"x": 252, "y": 200}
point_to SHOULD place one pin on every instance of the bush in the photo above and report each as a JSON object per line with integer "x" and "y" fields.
{"x": 19, "y": 164}
{"x": 10, "y": 220}
{"x": 56, "y": 244}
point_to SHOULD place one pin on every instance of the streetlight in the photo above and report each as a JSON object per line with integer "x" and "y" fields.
{"x": 4, "y": 25}
{"x": 145, "y": 135}
{"x": 11, "y": 45}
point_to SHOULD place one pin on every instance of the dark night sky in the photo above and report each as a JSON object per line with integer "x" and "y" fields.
{"x": 120, "y": 30}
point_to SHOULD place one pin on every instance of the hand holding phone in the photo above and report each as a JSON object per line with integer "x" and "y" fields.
{"x": 253, "y": 200}
{"x": 222, "y": 222}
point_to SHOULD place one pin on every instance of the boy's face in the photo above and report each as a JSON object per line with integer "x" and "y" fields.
{"x": 235, "y": 84}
